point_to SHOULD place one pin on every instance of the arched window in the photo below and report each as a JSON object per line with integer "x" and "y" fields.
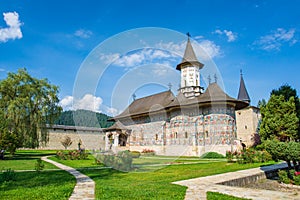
{"x": 186, "y": 135}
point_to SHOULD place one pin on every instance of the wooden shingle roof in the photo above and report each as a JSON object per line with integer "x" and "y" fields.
{"x": 166, "y": 100}
{"x": 148, "y": 104}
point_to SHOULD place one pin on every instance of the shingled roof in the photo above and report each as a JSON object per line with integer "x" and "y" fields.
{"x": 243, "y": 94}
{"x": 148, "y": 104}
{"x": 213, "y": 93}
{"x": 166, "y": 100}
{"x": 116, "y": 126}
{"x": 189, "y": 57}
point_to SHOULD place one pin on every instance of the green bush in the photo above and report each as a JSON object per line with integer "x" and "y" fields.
{"x": 8, "y": 175}
{"x": 122, "y": 161}
{"x": 72, "y": 155}
{"x": 39, "y": 165}
{"x": 148, "y": 152}
{"x": 212, "y": 155}
{"x": 283, "y": 177}
{"x": 249, "y": 156}
{"x": 135, "y": 154}
{"x": 296, "y": 179}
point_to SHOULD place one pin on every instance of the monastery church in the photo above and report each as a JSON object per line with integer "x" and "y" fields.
{"x": 191, "y": 123}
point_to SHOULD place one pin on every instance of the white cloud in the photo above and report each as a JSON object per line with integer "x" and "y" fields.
{"x": 111, "y": 111}
{"x": 13, "y": 31}
{"x": 204, "y": 49}
{"x": 67, "y": 103}
{"x": 109, "y": 58}
{"x": 162, "y": 53}
{"x": 276, "y": 39}
{"x": 83, "y": 33}
{"x": 230, "y": 35}
{"x": 87, "y": 102}
{"x": 209, "y": 47}
{"x": 134, "y": 59}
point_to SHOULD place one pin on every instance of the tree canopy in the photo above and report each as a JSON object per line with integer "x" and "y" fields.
{"x": 279, "y": 119}
{"x": 84, "y": 118}
{"x": 27, "y": 105}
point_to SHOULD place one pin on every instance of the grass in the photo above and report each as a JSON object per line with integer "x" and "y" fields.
{"x": 219, "y": 196}
{"x": 88, "y": 163}
{"x": 143, "y": 183}
{"x": 25, "y": 160}
{"x": 144, "y": 160}
{"x": 43, "y": 185}
{"x": 33, "y": 185}
{"x": 112, "y": 184}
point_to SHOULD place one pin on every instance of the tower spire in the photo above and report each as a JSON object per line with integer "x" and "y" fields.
{"x": 190, "y": 72}
{"x": 243, "y": 94}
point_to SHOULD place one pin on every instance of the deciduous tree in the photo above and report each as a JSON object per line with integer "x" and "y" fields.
{"x": 27, "y": 105}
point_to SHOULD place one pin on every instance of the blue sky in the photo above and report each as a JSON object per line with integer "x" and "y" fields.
{"x": 58, "y": 39}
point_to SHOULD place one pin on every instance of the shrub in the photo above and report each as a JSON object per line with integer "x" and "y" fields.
{"x": 283, "y": 177}
{"x": 72, "y": 155}
{"x": 212, "y": 155}
{"x": 249, "y": 156}
{"x": 148, "y": 152}
{"x": 122, "y": 161}
{"x": 230, "y": 156}
{"x": 296, "y": 180}
{"x": 39, "y": 165}
{"x": 8, "y": 175}
{"x": 135, "y": 154}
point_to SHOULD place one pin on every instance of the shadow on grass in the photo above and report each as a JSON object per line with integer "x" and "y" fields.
{"x": 44, "y": 179}
{"x": 27, "y": 155}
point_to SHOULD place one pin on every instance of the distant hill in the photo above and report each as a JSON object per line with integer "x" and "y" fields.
{"x": 84, "y": 118}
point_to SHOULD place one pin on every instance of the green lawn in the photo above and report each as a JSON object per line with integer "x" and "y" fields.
{"x": 145, "y": 182}
{"x": 25, "y": 160}
{"x": 88, "y": 163}
{"x": 43, "y": 185}
{"x": 56, "y": 184}
{"x": 112, "y": 184}
{"x": 219, "y": 196}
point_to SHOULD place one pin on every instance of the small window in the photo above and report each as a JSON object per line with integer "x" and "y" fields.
{"x": 186, "y": 135}
{"x": 175, "y": 134}
{"x": 246, "y": 127}
{"x": 156, "y": 137}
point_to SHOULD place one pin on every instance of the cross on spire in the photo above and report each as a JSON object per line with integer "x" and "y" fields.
{"x": 170, "y": 86}
{"x": 216, "y": 78}
{"x": 133, "y": 96}
{"x": 209, "y": 79}
{"x": 188, "y": 34}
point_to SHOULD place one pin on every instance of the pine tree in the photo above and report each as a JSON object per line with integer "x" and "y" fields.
{"x": 279, "y": 119}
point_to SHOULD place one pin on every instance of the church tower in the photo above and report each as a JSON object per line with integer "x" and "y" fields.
{"x": 243, "y": 94}
{"x": 190, "y": 72}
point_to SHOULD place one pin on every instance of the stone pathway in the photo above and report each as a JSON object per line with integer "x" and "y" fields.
{"x": 198, "y": 187}
{"x": 85, "y": 186}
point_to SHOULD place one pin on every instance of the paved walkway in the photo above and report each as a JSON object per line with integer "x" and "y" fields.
{"x": 85, "y": 186}
{"x": 198, "y": 187}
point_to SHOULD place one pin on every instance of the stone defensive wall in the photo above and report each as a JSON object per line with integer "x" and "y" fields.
{"x": 88, "y": 137}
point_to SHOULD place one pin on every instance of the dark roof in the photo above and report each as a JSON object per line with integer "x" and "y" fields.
{"x": 148, "y": 104}
{"x": 189, "y": 57}
{"x": 75, "y": 128}
{"x": 166, "y": 100}
{"x": 116, "y": 126}
{"x": 243, "y": 94}
{"x": 213, "y": 93}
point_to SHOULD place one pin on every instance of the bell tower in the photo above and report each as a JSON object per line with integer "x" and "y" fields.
{"x": 190, "y": 72}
